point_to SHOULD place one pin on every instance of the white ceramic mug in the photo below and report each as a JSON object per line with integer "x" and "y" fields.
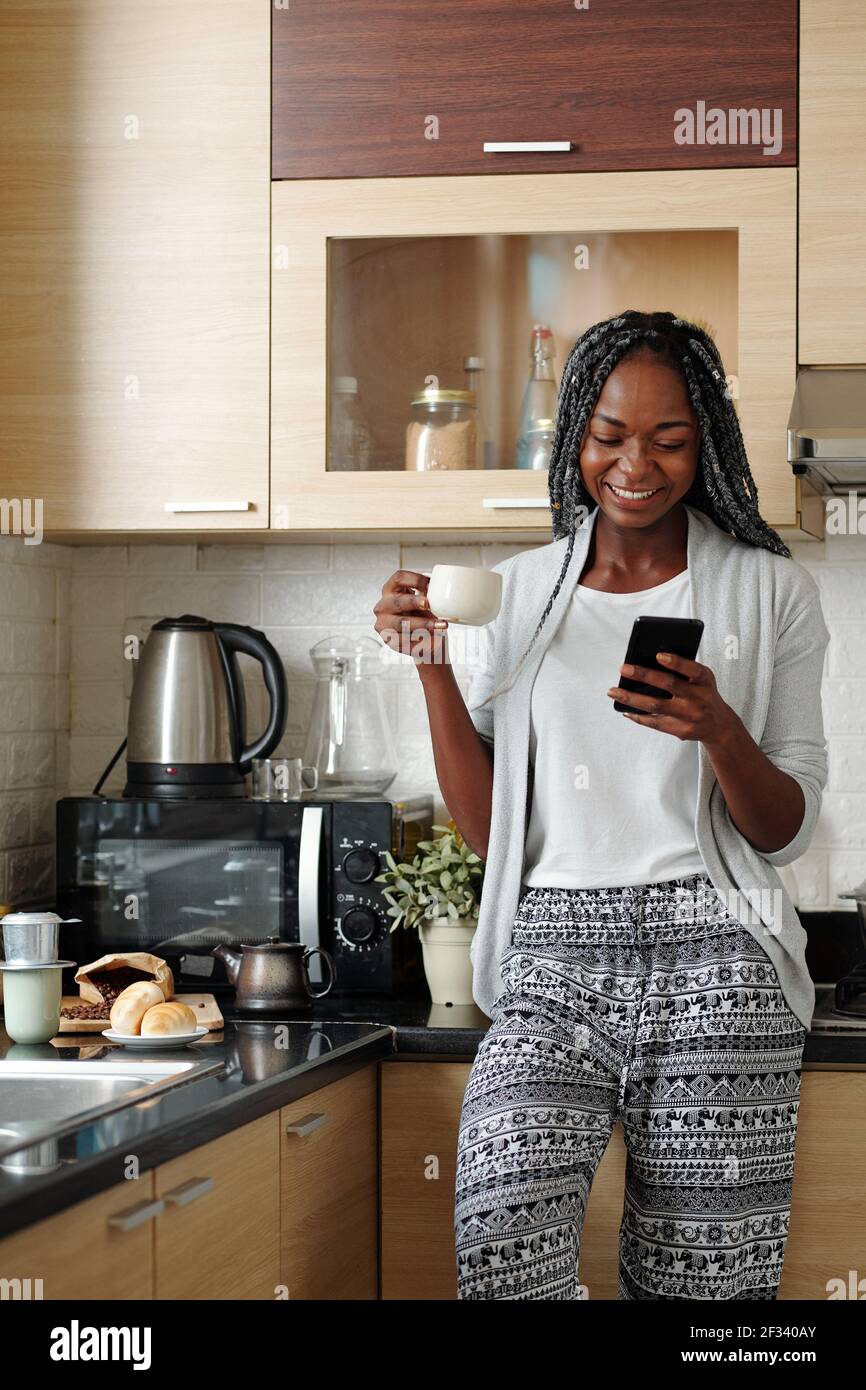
{"x": 464, "y": 594}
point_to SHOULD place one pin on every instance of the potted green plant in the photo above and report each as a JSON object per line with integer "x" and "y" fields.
{"x": 439, "y": 893}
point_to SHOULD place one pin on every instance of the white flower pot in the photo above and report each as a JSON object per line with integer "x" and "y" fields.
{"x": 446, "y": 959}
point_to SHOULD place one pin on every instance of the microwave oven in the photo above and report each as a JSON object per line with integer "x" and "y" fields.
{"x": 177, "y": 878}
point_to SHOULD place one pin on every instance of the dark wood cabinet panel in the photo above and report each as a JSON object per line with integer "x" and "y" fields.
{"x": 360, "y": 88}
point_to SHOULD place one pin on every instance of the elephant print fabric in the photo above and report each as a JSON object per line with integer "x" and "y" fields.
{"x": 650, "y": 1005}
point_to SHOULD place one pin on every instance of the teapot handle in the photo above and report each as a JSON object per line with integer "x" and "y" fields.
{"x": 332, "y": 973}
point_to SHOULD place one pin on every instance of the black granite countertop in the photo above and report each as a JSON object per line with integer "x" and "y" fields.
{"x": 423, "y": 1029}
{"x": 262, "y": 1066}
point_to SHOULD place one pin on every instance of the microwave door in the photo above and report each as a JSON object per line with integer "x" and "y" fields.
{"x": 309, "y": 885}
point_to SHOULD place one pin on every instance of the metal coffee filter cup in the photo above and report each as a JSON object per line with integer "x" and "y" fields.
{"x": 32, "y": 937}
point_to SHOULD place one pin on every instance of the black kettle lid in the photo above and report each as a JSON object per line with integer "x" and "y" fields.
{"x": 187, "y": 622}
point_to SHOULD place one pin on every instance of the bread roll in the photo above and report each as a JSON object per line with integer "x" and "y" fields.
{"x": 132, "y": 1004}
{"x": 164, "y": 1019}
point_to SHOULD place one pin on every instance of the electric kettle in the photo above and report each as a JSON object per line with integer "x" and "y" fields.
{"x": 187, "y": 715}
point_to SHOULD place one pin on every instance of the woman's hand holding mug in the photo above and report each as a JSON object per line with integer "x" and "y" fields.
{"x": 405, "y": 621}
{"x": 414, "y": 611}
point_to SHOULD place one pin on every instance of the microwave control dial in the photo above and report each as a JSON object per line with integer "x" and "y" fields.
{"x": 361, "y": 865}
{"x": 359, "y": 926}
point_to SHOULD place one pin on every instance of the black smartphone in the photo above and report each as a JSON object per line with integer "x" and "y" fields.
{"x": 681, "y": 636}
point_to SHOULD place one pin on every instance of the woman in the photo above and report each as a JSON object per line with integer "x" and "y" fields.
{"x": 635, "y": 950}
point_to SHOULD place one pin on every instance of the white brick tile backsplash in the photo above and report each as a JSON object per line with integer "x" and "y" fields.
{"x": 88, "y": 757}
{"x": 424, "y": 557}
{"x": 844, "y": 705}
{"x": 843, "y": 591}
{"x": 97, "y": 602}
{"x": 847, "y": 758}
{"x": 31, "y": 761}
{"x": 42, "y": 816}
{"x": 230, "y": 559}
{"x": 27, "y": 592}
{"x": 97, "y": 708}
{"x": 98, "y": 559}
{"x": 15, "y": 819}
{"x": 67, "y": 609}
{"x": 161, "y": 559}
{"x": 375, "y": 562}
{"x": 846, "y": 871}
{"x": 297, "y": 559}
{"x": 30, "y": 874}
{"x": 34, "y": 648}
{"x": 288, "y": 599}
{"x": 225, "y": 599}
{"x": 14, "y": 703}
{"x": 43, "y": 703}
{"x": 97, "y": 654}
{"x": 498, "y": 551}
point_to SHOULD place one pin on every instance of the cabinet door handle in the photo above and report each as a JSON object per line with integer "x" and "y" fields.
{"x": 527, "y": 146}
{"x": 515, "y": 502}
{"x": 306, "y": 1125}
{"x": 189, "y": 1192}
{"x": 207, "y": 506}
{"x": 130, "y": 1217}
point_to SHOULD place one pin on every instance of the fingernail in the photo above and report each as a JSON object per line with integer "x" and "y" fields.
{"x": 627, "y": 670}
{"x": 440, "y": 622}
{"x": 662, "y": 656}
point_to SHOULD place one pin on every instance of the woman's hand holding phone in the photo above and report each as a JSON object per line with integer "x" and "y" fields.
{"x": 690, "y": 707}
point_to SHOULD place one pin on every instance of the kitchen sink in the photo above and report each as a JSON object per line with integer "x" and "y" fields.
{"x": 40, "y": 1100}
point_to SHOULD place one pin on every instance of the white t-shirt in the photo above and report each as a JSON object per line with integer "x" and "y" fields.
{"x": 613, "y": 802}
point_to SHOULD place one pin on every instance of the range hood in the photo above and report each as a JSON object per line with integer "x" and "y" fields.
{"x": 827, "y": 428}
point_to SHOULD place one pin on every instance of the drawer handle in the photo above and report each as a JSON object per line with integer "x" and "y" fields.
{"x": 515, "y": 502}
{"x": 130, "y": 1217}
{"x": 207, "y": 506}
{"x": 527, "y": 146}
{"x": 306, "y": 1125}
{"x": 189, "y": 1192}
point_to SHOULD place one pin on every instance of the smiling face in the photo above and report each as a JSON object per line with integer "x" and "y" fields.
{"x": 641, "y": 446}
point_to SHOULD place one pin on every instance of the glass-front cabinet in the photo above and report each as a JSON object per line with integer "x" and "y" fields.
{"x": 420, "y": 329}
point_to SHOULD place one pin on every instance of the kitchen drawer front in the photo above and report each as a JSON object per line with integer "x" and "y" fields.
{"x": 328, "y": 1162}
{"x": 218, "y": 1234}
{"x": 98, "y": 1249}
{"x": 749, "y": 293}
{"x": 373, "y": 88}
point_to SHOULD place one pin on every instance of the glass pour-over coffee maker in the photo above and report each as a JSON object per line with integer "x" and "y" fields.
{"x": 349, "y": 741}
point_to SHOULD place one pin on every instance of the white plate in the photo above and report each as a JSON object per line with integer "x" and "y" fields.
{"x": 173, "y": 1040}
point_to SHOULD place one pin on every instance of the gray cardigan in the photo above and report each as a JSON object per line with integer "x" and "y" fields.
{"x": 765, "y": 640}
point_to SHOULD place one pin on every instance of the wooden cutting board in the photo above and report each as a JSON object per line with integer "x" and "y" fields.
{"x": 204, "y": 1006}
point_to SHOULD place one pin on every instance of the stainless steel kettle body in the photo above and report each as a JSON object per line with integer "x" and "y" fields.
{"x": 187, "y": 715}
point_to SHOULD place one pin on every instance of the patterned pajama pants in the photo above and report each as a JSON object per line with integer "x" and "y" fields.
{"x": 654, "y": 1007}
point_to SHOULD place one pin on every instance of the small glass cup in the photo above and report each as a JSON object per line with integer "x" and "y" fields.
{"x": 282, "y": 779}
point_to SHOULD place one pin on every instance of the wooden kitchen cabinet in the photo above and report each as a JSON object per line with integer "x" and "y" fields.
{"x": 328, "y": 1164}
{"x": 397, "y": 282}
{"x": 421, "y": 1104}
{"x": 99, "y": 1249}
{"x": 420, "y": 1117}
{"x": 218, "y": 1235}
{"x": 380, "y": 88}
{"x": 134, "y": 263}
{"x": 832, "y": 319}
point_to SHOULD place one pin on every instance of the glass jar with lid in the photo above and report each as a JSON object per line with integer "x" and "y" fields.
{"x": 442, "y": 432}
